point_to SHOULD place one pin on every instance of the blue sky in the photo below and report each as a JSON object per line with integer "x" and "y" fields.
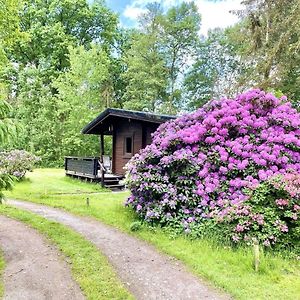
{"x": 214, "y": 13}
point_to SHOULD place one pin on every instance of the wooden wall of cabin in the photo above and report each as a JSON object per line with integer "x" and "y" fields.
{"x": 148, "y": 129}
{"x": 141, "y": 135}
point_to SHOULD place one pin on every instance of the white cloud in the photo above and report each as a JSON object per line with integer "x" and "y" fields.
{"x": 214, "y": 13}
{"x": 137, "y": 7}
{"x": 217, "y": 14}
{"x": 132, "y": 12}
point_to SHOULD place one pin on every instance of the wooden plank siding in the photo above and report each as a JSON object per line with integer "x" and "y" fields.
{"x": 141, "y": 134}
{"x": 147, "y": 131}
{"x": 126, "y": 128}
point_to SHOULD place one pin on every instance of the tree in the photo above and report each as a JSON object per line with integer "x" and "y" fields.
{"x": 9, "y": 21}
{"x": 217, "y": 69}
{"x": 9, "y": 30}
{"x": 6, "y": 180}
{"x": 146, "y": 74}
{"x": 159, "y": 57}
{"x": 52, "y": 27}
{"x": 272, "y": 31}
{"x": 6, "y": 124}
{"x": 117, "y": 83}
{"x": 82, "y": 92}
{"x": 180, "y": 36}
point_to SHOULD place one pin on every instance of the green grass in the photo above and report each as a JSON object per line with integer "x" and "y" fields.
{"x": 89, "y": 268}
{"x": 53, "y": 181}
{"x": 278, "y": 278}
{"x": 2, "y": 266}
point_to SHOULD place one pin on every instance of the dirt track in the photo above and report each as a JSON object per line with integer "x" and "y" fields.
{"x": 147, "y": 273}
{"x": 34, "y": 269}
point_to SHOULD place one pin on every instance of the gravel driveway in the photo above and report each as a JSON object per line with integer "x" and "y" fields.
{"x": 147, "y": 273}
{"x": 34, "y": 269}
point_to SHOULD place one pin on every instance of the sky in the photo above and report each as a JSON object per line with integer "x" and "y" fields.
{"x": 215, "y": 13}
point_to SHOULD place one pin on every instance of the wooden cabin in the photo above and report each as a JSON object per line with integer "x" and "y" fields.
{"x": 130, "y": 131}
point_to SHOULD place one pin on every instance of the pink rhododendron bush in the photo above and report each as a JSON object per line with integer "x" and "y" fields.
{"x": 271, "y": 214}
{"x": 208, "y": 167}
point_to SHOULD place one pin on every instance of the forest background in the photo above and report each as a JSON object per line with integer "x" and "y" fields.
{"x": 64, "y": 61}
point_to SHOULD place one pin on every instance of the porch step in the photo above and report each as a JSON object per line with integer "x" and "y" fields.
{"x": 111, "y": 180}
{"x": 115, "y": 186}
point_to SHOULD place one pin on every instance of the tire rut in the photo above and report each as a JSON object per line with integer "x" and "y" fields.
{"x": 147, "y": 273}
{"x": 34, "y": 268}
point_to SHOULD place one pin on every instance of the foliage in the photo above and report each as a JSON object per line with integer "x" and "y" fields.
{"x": 37, "y": 63}
{"x": 135, "y": 226}
{"x": 17, "y": 162}
{"x": 6, "y": 182}
{"x": 270, "y": 35}
{"x": 6, "y": 131}
{"x": 180, "y": 38}
{"x": 55, "y": 25}
{"x": 6, "y": 124}
{"x": 216, "y": 71}
{"x": 201, "y": 165}
{"x": 261, "y": 50}
{"x": 159, "y": 56}
{"x": 9, "y": 21}
{"x": 271, "y": 214}
{"x": 228, "y": 268}
{"x": 86, "y": 79}
{"x": 146, "y": 74}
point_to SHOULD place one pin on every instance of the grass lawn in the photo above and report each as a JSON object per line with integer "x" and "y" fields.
{"x": 90, "y": 269}
{"x": 278, "y": 278}
{"x": 53, "y": 181}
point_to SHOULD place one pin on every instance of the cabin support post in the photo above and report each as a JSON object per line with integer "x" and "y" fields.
{"x": 101, "y": 159}
{"x": 102, "y": 145}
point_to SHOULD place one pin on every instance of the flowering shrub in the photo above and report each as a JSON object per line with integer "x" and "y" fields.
{"x": 17, "y": 162}
{"x": 271, "y": 214}
{"x": 202, "y": 165}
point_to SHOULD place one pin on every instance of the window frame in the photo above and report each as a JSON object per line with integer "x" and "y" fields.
{"x": 125, "y": 153}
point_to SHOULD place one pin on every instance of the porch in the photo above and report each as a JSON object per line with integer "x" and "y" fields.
{"x": 93, "y": 169}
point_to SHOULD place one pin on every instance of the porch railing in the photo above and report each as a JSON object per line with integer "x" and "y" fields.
{"x": 87, "y": 166}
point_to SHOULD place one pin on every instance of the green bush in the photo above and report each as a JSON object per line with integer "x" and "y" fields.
{"x": 272, "y": 214}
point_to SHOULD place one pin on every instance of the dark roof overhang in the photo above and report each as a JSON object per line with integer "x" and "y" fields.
{"x": 103, "y": 122}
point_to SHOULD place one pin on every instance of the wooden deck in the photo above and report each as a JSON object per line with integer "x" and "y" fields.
{"x": 87, "y": 168}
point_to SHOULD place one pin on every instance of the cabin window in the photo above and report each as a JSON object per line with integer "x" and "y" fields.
{"x": 128, "y": 145}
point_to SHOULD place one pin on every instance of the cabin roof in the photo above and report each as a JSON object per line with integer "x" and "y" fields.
{"x": 103, "y": 121}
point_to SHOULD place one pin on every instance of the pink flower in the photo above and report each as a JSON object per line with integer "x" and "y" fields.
{"x": 235, "y": 238}
{"x": 239, "y": 228}
{"x": 296, "y": 207}
{"x": 284, "y": 228}
{"x": 282, "y": 202}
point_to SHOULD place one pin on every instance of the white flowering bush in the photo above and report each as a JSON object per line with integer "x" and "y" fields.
{"x": 17, "y": 162}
